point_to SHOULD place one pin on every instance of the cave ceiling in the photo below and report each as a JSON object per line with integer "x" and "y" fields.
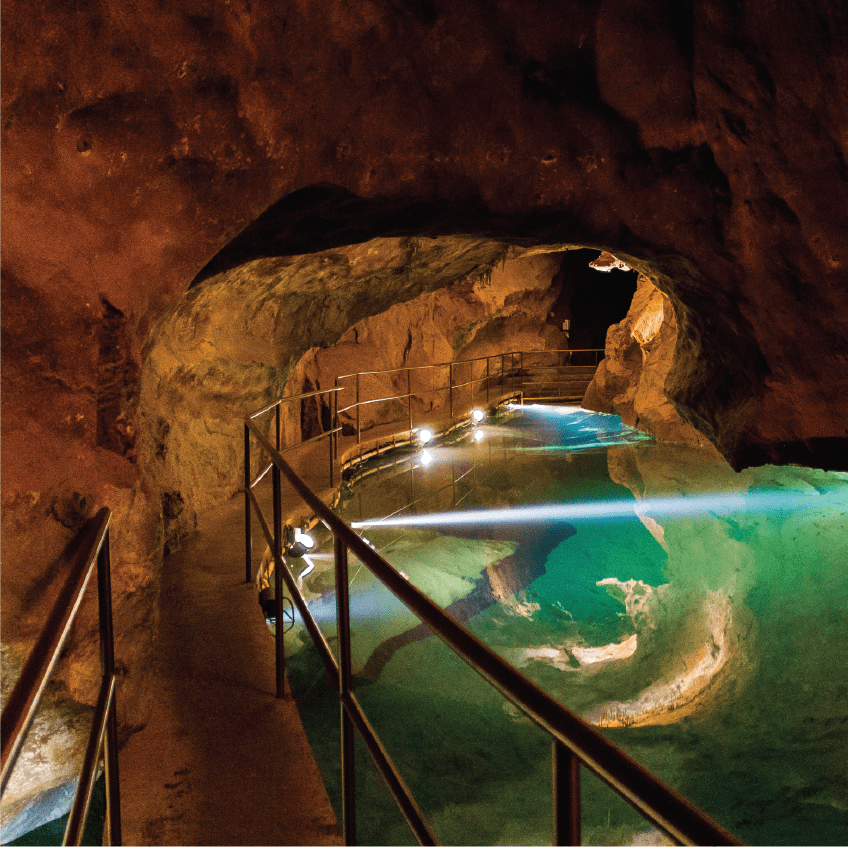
{"x": 149, "y": 147}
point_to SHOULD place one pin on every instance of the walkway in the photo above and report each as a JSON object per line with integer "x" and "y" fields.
{"x": 221, "y": 762}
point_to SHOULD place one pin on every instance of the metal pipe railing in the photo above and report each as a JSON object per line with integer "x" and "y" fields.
{"x": 575, "y": 741}
{"x": 90, "y": 549}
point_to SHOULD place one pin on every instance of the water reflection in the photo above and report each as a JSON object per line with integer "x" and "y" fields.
{"x": 694, "y": 613}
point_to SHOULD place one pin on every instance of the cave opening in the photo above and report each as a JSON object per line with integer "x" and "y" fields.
{"x": 591, "y": 304}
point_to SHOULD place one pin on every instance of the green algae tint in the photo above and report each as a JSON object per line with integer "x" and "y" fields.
{"x": 711, "y": 647}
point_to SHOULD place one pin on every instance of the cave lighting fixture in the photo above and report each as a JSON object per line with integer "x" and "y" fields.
{"x": 478, "y": 415}
{"x": 298, "y": 543}
{"x": 717, "y": 505}
{"x": 478, "y": 434}
{"x": 426, "y": 458}
{"x": 425, "y": 435}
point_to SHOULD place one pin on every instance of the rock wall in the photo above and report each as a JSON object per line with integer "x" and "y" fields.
{"x": 506, "y": 309}
{"x": 248, "y": 336}
{"x": 639, "y": 354}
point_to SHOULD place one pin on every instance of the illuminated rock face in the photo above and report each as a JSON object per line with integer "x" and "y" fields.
{"x": 630, "y": 381}
{"x": 508, "y": 308}
{"x": 50, "y": 759}
{"x": 272, "y": 328}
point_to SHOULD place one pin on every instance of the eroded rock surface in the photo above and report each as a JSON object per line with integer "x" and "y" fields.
{"x": 506, "y": 308}
{"x": 630, "y": 381}
{"x": 51, "y": 758}
{"x": 702, "y": 144}
{"x": 272, "y": 328}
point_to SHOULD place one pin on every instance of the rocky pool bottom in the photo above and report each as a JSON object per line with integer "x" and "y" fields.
{"x": 696, "y": 615}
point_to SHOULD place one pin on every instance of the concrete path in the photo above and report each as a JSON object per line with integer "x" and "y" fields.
{"x": 222, "y": 762}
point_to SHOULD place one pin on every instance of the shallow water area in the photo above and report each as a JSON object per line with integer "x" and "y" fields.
{"x": 694, "y": 614}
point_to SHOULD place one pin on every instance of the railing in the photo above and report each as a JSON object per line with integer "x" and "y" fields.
{"x": 91, "y": 546}
{"x": 508, "y": 377}
{"x": 503, "y": 374}
{"x": 502, "y": 377}
{"x": 250, "y": 482}
{"x": 564, "y": 379}
{"x": 574, "y": 742}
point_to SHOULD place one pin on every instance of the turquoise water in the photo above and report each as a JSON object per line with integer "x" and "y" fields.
{"x": 703, "y": 627}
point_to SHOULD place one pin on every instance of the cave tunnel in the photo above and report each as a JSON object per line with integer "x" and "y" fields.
{"x": 210, "y": 206}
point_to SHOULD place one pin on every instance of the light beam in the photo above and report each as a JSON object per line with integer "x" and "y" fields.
{"x": 720, "y": 504}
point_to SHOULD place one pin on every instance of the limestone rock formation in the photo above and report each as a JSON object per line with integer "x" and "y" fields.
{"x": 507, "y": 308}
{"x": 630, "y": 381}
{"x": 148, "y": 146}
{"x": 50, "y": 759}
{"x": 248, "y": 336}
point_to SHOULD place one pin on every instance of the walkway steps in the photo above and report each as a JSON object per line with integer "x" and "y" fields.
{"x": 557, "y": 383}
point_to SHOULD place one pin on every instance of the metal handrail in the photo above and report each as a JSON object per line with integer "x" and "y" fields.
{"x": 452, "y": 385}
{"x": 575, "y": 742}
{"x": 293, "y": 398}
{"x": 431, "y": 365}
{"x": 251, "y": 482}
{"x": 332, "y": 434}
{"x": 89, "y": 549}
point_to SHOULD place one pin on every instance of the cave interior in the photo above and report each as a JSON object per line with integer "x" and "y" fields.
{"x": 209, "y": 206}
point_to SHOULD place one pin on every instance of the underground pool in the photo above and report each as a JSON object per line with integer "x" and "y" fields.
{"x": 694, "y": 614}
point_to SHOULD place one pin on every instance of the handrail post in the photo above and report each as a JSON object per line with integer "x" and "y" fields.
{"x": 345, "y": 681}
{"x": 566, "y": 796}
{"x": 502, "y": 375}
{"x": 248, "y": 541}
{"x": 330, "y": 440}
{"x": 107, "y": 661}
{"x": 487, "y": 381}
{"x": 358, "y": 431}
{"x": 278, "y": 582}
{"x": 521, "y": 372}
{"x": 450, "y": 388}
{"x": 335, "y": 437}
{"x": 278, "y": 423}
{"x": 409, "y": 399}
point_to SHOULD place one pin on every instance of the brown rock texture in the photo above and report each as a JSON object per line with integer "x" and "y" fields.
{"x": 149, "y": 145}
{"x": 506, "y": 308}
{"x": 280, "y": 327}
{"x": 630, "y": 380}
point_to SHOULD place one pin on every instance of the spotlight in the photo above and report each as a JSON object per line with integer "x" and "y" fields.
{"x": 719, "y": 504}
{"x": 426, "y": 458}
{"x": 307, "y": 540}
{"x": 478, "y": 434}
{"x": 425, "y": 436}
{"x": 297, "y": 542}
{"x": 478, "y": 415}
